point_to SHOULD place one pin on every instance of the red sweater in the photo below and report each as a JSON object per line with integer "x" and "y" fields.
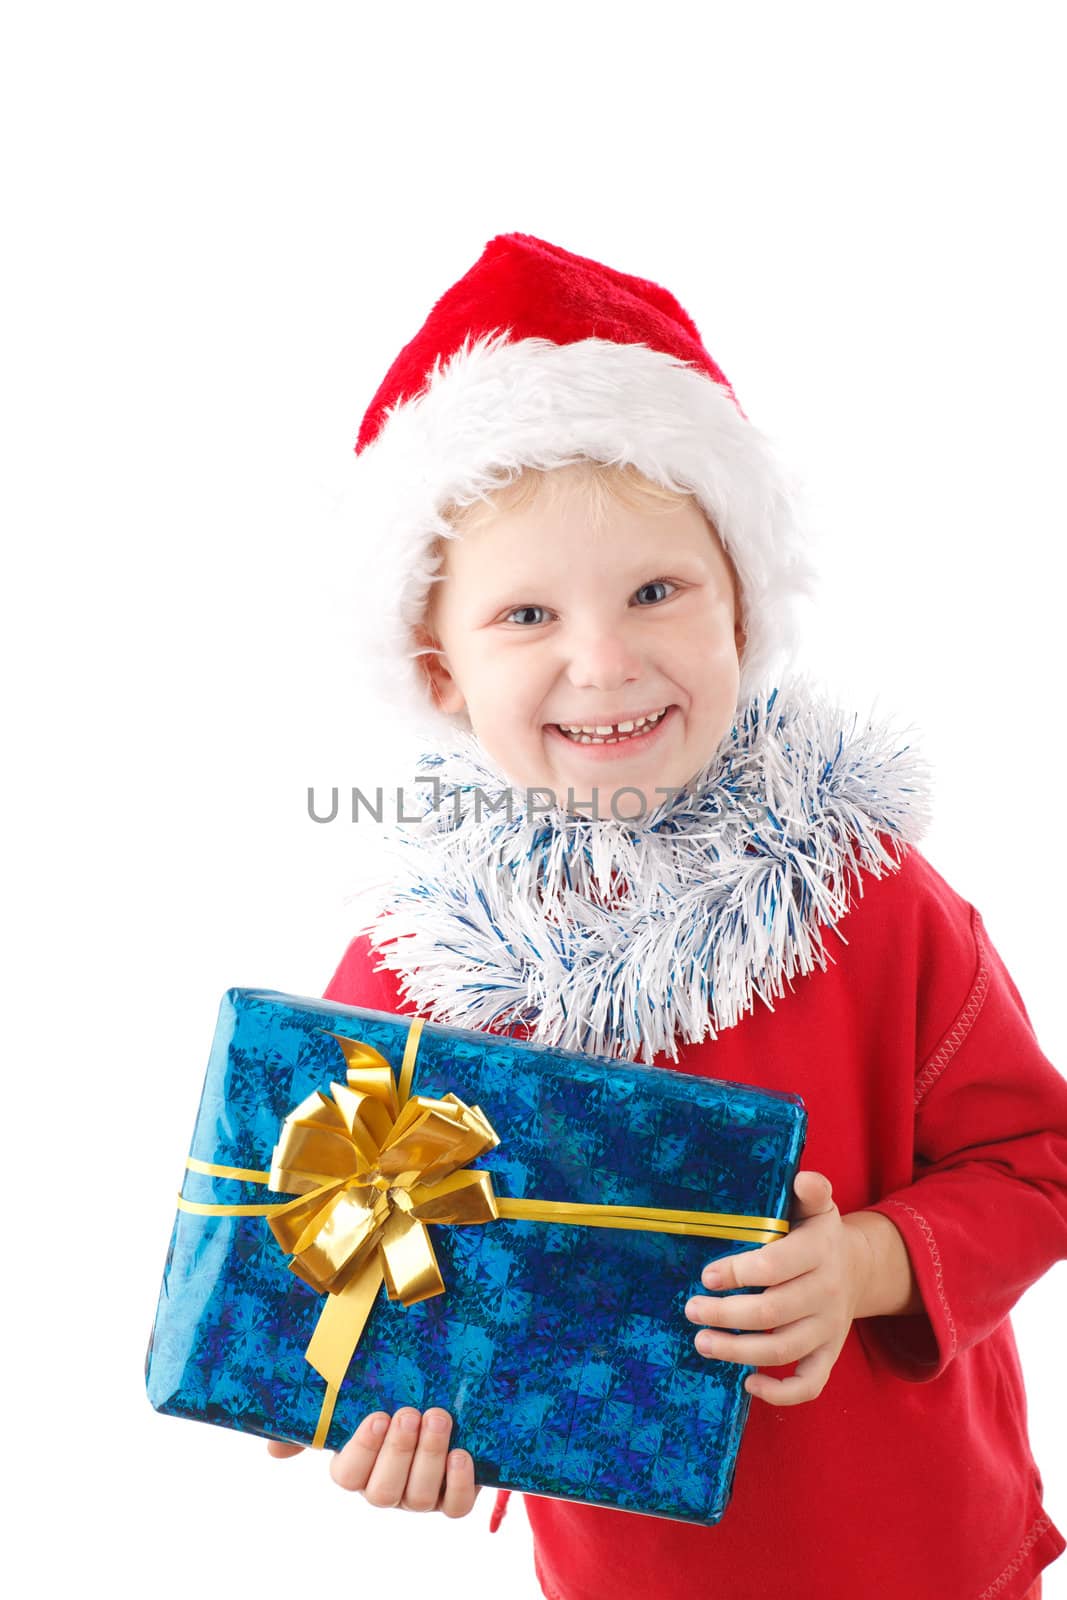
{"x": 930, "y": 1100}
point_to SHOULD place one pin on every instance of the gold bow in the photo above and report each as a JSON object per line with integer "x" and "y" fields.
{"x": 373, "y": 1173}
{"x": 373, "y": 1170}
{"x": 370, "y": 1168}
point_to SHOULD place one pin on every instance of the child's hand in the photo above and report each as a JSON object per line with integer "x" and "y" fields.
{"x": 814, "y": 1276}
{"x": 403, "y": 1463}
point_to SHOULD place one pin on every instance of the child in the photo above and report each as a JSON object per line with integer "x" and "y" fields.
{"x": 571, "y": 525}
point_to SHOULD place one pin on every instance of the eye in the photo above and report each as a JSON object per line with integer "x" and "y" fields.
{"x": 660, "y": 583}
{"x": 523, "y": 611}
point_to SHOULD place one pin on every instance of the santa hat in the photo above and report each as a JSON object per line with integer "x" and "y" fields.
{"x": 536, "y": 358}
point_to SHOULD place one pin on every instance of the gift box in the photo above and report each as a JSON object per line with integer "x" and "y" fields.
{"x": 382, "y": 1211}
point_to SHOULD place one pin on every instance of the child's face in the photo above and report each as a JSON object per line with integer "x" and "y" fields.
{"x": 541, "y": 619}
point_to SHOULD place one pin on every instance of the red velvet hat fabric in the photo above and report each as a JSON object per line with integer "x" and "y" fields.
{"x": 539, "y": 290}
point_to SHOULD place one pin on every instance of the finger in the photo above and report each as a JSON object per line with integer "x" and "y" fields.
{"x": 389, "y": 1474}
{"x": 461, "y": 1491}
{"x": 786, "y": 1302}
{"x": 806, "y": 1383}
{"x": 784, "y": 1258}
{"x": 426, "y": 1475}
{"x": 815, "y": 1195}
{"x": 281, "y": 1448}
{"x": 352, "y": 1466}
{"x": 775, "y": 1348}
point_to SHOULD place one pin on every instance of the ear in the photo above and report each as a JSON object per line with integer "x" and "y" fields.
{"x": 433, "y": 664}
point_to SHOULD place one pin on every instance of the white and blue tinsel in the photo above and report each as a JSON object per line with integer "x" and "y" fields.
{"x": 626, "y": 939}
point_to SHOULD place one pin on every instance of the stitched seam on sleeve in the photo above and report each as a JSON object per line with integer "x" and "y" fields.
{"x": 939, "y": 1271}
{"x": 1040, "y": 1526}
{"x": 965, "y": 1020}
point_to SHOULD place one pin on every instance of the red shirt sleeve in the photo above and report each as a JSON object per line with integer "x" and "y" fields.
{"x": 356, "y": 983}
{"x": 986, "y": 1213}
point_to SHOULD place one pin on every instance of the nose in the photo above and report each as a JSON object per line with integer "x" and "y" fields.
{"x": 602, "y": 660}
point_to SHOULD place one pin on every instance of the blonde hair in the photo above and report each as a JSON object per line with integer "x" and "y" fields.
{"x": 601, "y": 483}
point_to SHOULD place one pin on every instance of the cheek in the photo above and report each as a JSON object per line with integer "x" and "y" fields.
{"x": 705, "y": 655}
{"x": 505, "y": 697}
{"x": 511, "y": 678}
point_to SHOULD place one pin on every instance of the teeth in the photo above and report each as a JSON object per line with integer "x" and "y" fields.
{"x": 599, "y": 733}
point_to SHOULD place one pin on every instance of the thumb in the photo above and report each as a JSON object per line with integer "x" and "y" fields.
{"x": 814, "y": 1195}
{"x": 280, "y": 1448}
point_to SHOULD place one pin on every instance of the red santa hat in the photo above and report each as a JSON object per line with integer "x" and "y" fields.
{"x": 536, "y": 358}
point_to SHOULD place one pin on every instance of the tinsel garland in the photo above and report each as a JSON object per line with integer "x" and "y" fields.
{"x": 626, "y": 939}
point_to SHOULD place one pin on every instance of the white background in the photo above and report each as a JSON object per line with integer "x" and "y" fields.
{"x": 223, "y": 221}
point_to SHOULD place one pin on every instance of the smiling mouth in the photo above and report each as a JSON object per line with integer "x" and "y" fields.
{"x": 627, "y": 732}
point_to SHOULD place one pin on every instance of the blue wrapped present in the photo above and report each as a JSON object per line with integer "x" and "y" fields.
{"x": 382, "y": 1211}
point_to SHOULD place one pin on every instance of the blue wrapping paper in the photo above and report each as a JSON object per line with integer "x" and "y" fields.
{"x": 562, "y": 1352}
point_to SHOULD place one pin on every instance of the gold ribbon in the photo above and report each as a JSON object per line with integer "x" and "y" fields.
{"x": 370, "y": 1168}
